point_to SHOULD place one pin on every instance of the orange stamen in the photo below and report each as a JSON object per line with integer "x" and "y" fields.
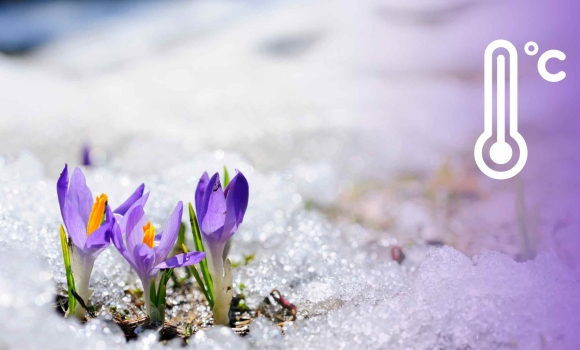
{"x": 96, "y": 217}
{"x": 149, "y": 236}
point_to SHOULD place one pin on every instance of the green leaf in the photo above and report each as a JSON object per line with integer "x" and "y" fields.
{"x": 152, "y": 294}
{"x": 249, "y": 258}
{"x": 157, "y": 314}
{"x": 226, "y": 177}
{"x": 199, "y": 247}
{"x": 161, "y": 296}
{"x": 181, "y": 234}
{"x": 199, "y": 281}
{"x": 166, "y": 275}
{"x": 195, "y": 229}
{"x": 180, "y": 239}
{"x": 70, "y": 281}
{"x": 158, "y": 299}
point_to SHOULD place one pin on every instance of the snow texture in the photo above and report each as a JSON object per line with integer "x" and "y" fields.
{"x": 348, "y": 291}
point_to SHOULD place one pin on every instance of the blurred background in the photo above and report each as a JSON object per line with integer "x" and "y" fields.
{"x": 371, "y": 108}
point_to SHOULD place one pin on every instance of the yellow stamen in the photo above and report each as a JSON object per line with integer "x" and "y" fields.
{"x": 96, "y": 217}
{"x": 149, "y": 236}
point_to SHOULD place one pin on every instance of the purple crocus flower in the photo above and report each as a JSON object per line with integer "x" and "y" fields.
{"x": 220, "y": 213}
{"x": 89, "y": 224}
{"x": 146, "y": 252}
{"x": 86, "y": 155}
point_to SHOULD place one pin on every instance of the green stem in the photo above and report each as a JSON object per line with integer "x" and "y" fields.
{"x": 70, "y": 281}
{"x": 200, "y": 283}
{"x": 199, "y": 247}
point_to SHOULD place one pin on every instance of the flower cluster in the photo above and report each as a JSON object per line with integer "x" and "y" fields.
{"x": 91, "y": 225}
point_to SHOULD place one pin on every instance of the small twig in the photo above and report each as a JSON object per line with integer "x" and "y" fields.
{"x": 128, "y": 326}
{"x": 284, "y": 302}
{"x": 243, "y": 323}
{"x": 134, "y": 312}
{"x": 397, "y": 254}
{"x": 135, "y": 298}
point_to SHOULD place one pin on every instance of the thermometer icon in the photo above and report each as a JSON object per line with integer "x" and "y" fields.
{"x": 501, "y": 152}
